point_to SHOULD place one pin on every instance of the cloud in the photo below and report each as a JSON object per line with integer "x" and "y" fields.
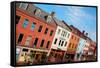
{"x": 81, "y": 19}
{"x": 77, "y": 14}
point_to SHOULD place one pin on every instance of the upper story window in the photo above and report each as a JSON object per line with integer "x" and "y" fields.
{"x": 75, "y": 38}
{"x": 46, "y": 30}
{"x": 40, "y": 28}
{"x": 25, "y": 23}
{"x": 69, "y": 45}
{"x": 62, "y": 43}
{"x": 55, "y": 41}
{"x": 49, "y": 18}
{"x": 20, "y": 38}
{"x": 17, "y": 19}
{"x": 42, "y": 43}
{"x": 62, "y": 33}
{"x": 33, "y": 26}
{"x": 65, "y": 43}
{"x": 23, "y": 5}
{"x": 68, "y": 35}
{"x": 48, "y": 43}
{"x": 78, "y": 39}
{"x": 73, "y": 46}
{"x": 65, "y": 34}
{"x": 28, "y": 39}
{"x": 35, "y": 42}
{"x": 51, "y": 32}
{"x": 72, "y": 36}
{"x": 59, "y": 30}
{"x": 38, "y": 12}
{"x": 76, "y": 46}
{"x": 59, "y": 42}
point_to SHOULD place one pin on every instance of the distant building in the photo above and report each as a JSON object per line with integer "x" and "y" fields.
{"x": 73, "y": 44}
{"x": 92, "y": 54}
{"x": 86, "y": 49}
{"x": 81, "y": 45}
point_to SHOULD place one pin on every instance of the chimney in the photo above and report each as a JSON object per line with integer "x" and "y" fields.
{"x": 53, "y": 14}
{"x": 86, "y": 34}
{"x": 83, "y": 32}
{"x": 71, "y": 25}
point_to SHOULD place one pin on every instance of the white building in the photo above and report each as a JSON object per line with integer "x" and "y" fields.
{"x": 62, "y": 36}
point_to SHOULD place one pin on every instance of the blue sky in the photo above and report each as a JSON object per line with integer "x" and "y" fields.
{"x": 84, "y": 18}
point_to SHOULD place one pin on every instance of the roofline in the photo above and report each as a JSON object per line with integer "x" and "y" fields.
{"x": 23, "y": 11}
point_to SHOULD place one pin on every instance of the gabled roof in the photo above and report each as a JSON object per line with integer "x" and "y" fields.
{"x": 77, "y": 32}
{"x": 61, "y": 24}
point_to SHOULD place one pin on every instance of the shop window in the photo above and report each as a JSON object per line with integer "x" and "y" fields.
{"x": 25, "y": 50}
{"x": 55, "y": 55}
{"x": 43, "y": 56}
{"x": 32, "y": 54}
{"x": 37, "y": 56}
{"x": 17, "y": 53}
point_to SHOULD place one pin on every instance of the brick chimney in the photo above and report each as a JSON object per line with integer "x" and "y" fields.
{"x": 86, "y": 34}
{"x": 53, "y": 14}
{"x": 83, "y": 32}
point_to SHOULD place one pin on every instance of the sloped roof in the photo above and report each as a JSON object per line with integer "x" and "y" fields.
{"x": 77, "y": 32}
{"x": 61, "y": 24}
{"x": 31, "y": 9}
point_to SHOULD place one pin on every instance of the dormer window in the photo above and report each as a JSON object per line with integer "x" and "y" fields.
{"x": 49, "y": 19}
{"x": 37, "y": 12}
{"x": 23, "y": 6}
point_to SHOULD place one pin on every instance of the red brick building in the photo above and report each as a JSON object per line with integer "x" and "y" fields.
{"x": 35, "y": 30}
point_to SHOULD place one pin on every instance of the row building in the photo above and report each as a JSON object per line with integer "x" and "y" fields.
{"x": 42, "y": 38}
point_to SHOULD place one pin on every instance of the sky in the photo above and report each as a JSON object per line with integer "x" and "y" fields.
{"x": 83, "y": 18}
